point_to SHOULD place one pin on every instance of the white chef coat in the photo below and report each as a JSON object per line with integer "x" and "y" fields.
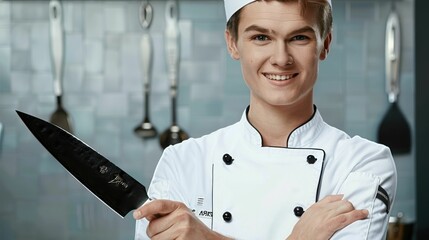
{"x": 244, "y": 190}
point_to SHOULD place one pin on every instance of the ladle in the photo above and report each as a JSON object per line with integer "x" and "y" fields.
{"x": 146, "y": 129}
{"x": 173, "y": 134}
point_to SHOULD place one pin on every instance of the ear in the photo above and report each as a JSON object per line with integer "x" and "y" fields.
{"x": 232, "y": 45}
{"x": 326, "y": 46}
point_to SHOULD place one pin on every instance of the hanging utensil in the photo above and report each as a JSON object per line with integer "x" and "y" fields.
{"x": 60, "y": 116}
{"x": 174, "y": 134}
{"x": 146, "y": 129}
{"x": 394, "y": 130}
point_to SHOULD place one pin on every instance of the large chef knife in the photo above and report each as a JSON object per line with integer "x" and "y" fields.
{"x": 106, "y": 181}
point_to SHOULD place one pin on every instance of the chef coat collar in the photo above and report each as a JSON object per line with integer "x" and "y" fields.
{"x": 302, "y": 136}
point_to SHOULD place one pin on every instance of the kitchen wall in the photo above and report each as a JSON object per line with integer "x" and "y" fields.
{"x": 103, "y": 95}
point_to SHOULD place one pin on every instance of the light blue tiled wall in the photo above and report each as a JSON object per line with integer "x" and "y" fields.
{"x": 103, "y": 94}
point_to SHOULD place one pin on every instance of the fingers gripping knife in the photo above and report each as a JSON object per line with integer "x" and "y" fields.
{"x": 105, "y": 180}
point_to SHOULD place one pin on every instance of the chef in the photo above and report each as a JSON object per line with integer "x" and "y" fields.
{"x": 280, "y": 172}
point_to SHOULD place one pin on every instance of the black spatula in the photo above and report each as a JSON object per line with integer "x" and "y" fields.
{"x": 394, "y": 130}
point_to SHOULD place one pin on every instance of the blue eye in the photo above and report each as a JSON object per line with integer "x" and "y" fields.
{"x": 260, "y": 38}
{"x": 300, "y": 38}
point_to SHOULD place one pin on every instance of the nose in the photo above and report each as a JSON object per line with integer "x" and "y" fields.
{"x": 281, "y": 56}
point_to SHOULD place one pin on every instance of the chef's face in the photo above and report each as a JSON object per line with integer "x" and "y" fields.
{"x": 279, "y": 48}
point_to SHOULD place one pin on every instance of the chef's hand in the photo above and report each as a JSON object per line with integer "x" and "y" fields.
{"x": 324, "y": 218}
{"x": 173, "y": 220}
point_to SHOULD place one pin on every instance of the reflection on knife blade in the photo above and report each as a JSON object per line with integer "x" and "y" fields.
{"x": 114, "y": 187}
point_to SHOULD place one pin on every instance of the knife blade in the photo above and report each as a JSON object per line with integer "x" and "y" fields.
{"x": 110, "y": 184}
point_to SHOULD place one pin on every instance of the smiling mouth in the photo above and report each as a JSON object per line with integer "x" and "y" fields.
{"x": 280, "y": 77}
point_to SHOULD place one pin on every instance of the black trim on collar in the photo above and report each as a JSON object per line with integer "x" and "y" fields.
{"x": 247, "y": 118}
{"x": 312, "y": 116}
{"x": 287, "y": 140}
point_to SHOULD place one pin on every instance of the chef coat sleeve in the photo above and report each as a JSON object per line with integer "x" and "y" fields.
{"x": 370, "y": 184}
{"x": 164, "y": 185}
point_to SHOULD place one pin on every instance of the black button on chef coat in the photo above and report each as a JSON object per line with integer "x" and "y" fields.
{"x": 227, "y": 159}
{"x": 227, "y": 217}
{"x": 311, "y": 159}
{"x": 298, "y": 211}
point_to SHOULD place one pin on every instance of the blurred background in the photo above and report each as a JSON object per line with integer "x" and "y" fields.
{"x": 103, "y": 93}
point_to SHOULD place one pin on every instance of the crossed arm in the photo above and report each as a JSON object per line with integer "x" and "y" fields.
{"x": 173, "y": 220}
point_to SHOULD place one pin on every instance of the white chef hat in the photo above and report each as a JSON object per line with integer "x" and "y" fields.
{"x": 232, "y": 6}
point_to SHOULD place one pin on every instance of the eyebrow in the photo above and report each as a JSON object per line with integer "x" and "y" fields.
{"x": 265, "y": 30}
{"x": 257, "y": 28}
